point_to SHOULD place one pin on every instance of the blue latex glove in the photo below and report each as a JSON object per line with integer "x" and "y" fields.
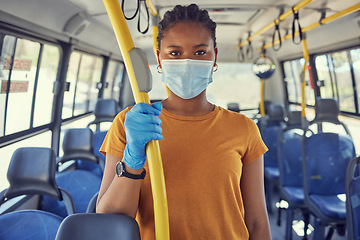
{"x": 142, "y": 124}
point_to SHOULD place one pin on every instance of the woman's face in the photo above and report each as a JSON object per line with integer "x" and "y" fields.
{"x": 187, "y": 40}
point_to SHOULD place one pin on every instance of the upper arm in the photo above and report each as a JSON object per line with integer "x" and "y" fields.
{"x": 252, "y": 190}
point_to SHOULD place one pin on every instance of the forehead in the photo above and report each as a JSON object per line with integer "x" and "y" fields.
{"x": 187, "y": 32}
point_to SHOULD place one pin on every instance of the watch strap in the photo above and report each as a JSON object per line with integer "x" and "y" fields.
{"x": 121, "y": 172}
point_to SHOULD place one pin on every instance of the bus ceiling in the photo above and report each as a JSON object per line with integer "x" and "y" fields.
{"x": 85, "y": 23}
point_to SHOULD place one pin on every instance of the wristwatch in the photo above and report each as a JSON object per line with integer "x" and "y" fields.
{"x": 121, "y": 172}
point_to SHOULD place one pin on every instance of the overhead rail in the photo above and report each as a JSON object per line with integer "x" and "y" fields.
{"x": 140, "y": 88}
{"x": 323, "y": 21}
{"x": 281, "y": 18}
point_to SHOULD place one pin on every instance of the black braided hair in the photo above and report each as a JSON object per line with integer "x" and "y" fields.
{"x": 190, "y": 13}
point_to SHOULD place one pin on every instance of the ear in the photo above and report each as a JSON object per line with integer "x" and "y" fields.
{"x": 158, "y": 56}
{"x": 216, "y": 53}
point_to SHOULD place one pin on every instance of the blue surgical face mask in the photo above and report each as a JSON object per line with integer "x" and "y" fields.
{"x": 187, "y": 78}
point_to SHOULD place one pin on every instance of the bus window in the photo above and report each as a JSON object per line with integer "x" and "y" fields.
{"x": 113, "y": 80}
{"x": 292, "y": 70}
{"x": 83, "y": 74}
{"x": 47, "y": 75}
{"x": 29, "y": 96}
{"x": 355, "y": 58}
{"x": 235, "y": 83}
{"x": 335, "y": 70}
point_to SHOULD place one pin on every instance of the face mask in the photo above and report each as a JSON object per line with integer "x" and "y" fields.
{"x": 187, "y": 78}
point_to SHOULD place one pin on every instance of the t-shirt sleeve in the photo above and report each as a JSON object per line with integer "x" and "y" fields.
{"x": 115, "y": 139}
{"x": 256, "y": 147}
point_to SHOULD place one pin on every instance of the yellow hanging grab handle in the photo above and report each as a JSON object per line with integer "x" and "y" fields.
{"x": 140, "y": 90}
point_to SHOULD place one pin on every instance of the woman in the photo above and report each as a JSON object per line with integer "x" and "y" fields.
{"x": 205, "y": 158}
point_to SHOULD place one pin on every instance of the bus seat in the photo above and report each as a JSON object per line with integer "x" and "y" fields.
{"x": 78, "y": 144}
{"x": 92, "y": 226}
{"x": 82, "y": 186}
{"x": 291, "y": 177}
{"x": 325, "y": 159}
{"x": 92, "y": 204}
{"x": 98, "y": 141}
{"x": 26, "y": 179}
{"x": 270, "y": 127}
{"x": 29, "y": 224}
{"x": 105, "y": 111}
{"x": 353, "y": 199}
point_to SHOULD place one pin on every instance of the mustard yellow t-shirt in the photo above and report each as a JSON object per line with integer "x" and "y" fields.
{"x": 202, "y": 159}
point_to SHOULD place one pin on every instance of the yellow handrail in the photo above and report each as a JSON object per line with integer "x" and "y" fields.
{"x": 126, "y": 44}
{"x": 326, "y": 20}
{"x": 282, "y": 17}
{"x": 262, "y": 104}
{"x": 303, "y": 81}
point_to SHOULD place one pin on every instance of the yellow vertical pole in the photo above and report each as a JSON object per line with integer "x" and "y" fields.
{"x": 262, "y": 105}
{"x": 126, "y": 44}
{"x": 262, "y": 91}
{"x": 303, "y": 82}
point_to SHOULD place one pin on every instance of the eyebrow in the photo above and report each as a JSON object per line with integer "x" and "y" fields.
{"x": 196, "y": 46}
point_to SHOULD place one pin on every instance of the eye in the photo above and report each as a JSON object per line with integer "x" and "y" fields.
{"x": 200, "y": 52}
{"x": 175, "y": 53}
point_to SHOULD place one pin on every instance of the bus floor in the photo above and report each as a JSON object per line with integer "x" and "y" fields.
{"x": 278, "y": 232}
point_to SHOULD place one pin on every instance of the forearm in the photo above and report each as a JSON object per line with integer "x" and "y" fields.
{"x": 118, "y": 194}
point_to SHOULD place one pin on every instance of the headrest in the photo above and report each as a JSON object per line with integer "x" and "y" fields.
{"x": 82, "y": 226}
{"x": 276, "y": 112}
{"x": 32, "y": 171}
{"x": 78, "y": 140}
{"x": 294, "y": 118}
{"x": 326, "y": 110}
{"x": 105, "y": 108}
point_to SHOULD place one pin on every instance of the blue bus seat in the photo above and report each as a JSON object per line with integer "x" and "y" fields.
{"x": 82, "y": 185}
{"x": 29, "y": 224}
{"x": 26, "y": 179}
{"x": 353, "y": 199}
{"x": 92, "y": 226}
{"x": 270, "y": 127}
{"x": 290, "y": 167}
{"x": 325, "y": 159}
{"x": 98, "y": 141}
{"x": 92, "y": 204}
{"x": 105, "y": 111}
{"x": 78, "y": 144}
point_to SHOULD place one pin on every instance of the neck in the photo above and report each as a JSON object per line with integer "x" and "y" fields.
{"x": 194, "y": 107}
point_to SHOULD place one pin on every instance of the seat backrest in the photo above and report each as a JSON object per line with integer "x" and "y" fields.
{"x": 92, "y": 226}
{"x": 353, "y": 199}
{"x": 29, "y": 224}
{"x": 105, "y": 111}
{"x": 78, "y": 144}
{"x": 326, "y": 158}
{"x": 80, "y": 184}
{"x": 32, "y": 172}
{"x": 326, "y": 155}
{"x": 289, "y": 157}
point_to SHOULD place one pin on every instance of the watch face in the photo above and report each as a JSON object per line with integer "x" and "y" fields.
{"x": 120, "y": 169}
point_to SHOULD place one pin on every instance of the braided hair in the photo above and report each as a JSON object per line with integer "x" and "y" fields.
{"x": 190, "y": 13}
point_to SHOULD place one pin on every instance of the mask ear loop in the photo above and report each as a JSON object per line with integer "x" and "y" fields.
{"x": 159, "y": 69}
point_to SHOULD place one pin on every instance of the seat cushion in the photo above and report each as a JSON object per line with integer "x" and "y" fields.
{"x": 272, "y": 172}
{"x": 29, "y": 224}
{"x": 331, "y": 206}
{"x": 294, "y": 195}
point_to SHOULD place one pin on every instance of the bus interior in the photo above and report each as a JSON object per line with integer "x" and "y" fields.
{"x": 63, "y": 80}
